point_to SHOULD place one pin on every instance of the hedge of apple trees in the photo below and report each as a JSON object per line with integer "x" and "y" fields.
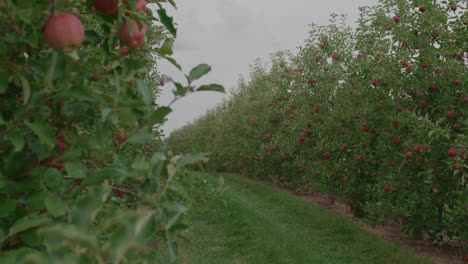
{"x": 375, "y": 114}
{"x": 83, "y": 175}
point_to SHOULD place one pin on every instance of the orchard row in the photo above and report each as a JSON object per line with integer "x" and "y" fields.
{"x": 377, "y": 114}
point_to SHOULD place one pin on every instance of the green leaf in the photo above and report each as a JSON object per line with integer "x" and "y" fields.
{"x": 197, "y": 72}
{"x": 141, "y": 163}
{"x": 26, "y": 223}
{"x": 211, "y": 87}
{"x": 145, "y": 91}
{"x": 101, "y": 176}
{"x": 167, "y": 21}
{"x": 17, "y": 139}
{"x": 173, "y": 62}
{"x": 158, "y": 116}
{"x": 145, "y": 135}
{"x": 56, "y": 206}
{"x": 26, "y": 89}
{"x": 44, "y": 132}
{"x": 7, "y": 206}
{"x": 166, "y": 48}
{"x": 3, "y": 81}
{"x": 76, "y": 169}
{"x": 191, "y": 158}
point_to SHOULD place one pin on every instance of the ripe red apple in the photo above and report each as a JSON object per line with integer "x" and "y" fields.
{"x": 409, "y": 154}
{"x": 327, "y": 155}
{"x": 457, "y": 82}
{"x": 146, "y": 147}
{"x": 425, "y": 65}
{"x": 433, "y": 88}
{"x": 422, "y": 9}
{"x": 399, "y": 109}
{"x": 342, "y": 148}
{"x": 124, "y": 51}
{"x": 132, "y": 39}
{"x": 121, "y": 137}
{"x": 389, "y": 27}
{"x": 387, "y": 188}
{"x": 454, "y": 8}
{"x": 374, "y": 82}
{"x": 106, "y": 6}
{"x": 161, "y": 83}
{"x": 409, "y": 69}
{"x": 64, "y": 32}
{"x": 140, "y": 6}
{"x": 61, "y": 144}
{"x": 452, "y": 153}
{"x": 314, "y": 80}
{"x": 397, "y": 141}
{"x": 451, "y": 114}
{"x": 404, "y": 63}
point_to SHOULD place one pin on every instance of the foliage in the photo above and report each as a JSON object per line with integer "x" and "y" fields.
{"x": 376, "y": 113}
{"x": 83, "y": 176}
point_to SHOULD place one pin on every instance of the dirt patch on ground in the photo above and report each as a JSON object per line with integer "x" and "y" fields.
{"x": 423, "y": 247}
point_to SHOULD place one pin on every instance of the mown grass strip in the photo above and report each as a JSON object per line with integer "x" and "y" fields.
{"x": 263, "y": 225}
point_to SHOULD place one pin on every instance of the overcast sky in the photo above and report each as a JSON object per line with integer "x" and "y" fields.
{"x": 230, "y": 34}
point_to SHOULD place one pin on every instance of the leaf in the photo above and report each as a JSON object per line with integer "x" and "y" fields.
{"x": 145, "y": 135}
{"x": 3, "y": 81}
{"x": 166, "y": 48}
{"x": 101, "y": 176}
{"x": 26, "y": 223}
{"x": 158, "y": 116}
{"x": 167, "y": 21}
{"x": 145, "y": 91}
{"x": 211, "y": 87}
{"x": 17, "y": 139}
{"x": 158, "y": 156}
{"x": 76, "y": 169}
{"x": 26, "y": 89}
{"x": 44, "y": 132}
{"x": 191, "y": 158}
{"x": 7, "y": 206}
{"x": 173, "y": 62}
{"x": 140, "y": 163}
{"x": 197, "y": 72}
{"x": 56, "y": 206}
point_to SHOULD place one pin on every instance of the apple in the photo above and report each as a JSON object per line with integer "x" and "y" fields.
{"x": 124, "y": 51}
{"x": 64, "y": 32}
{"x": 409, "y": 154}
{"x": 451, "y": 114}
{"x": 146, "y": 147}
{"x": 140, "y": 6}
{"x": 161, "y": 83}
{"x": 374, "y": 82}
{"x": 452, "y": 153}
{"x": 453, "y": 8}
{"x": 387, "y": 188}
{"x": 61, "y": 144}
{"x": 396, "y": 19}
{"x": 457, "y": 82}
{"x": 399, "y": 109}
{"x": 397, "y": 141}
{"x": 106, "y": 6}
{"x": 132, "y": 38}
{"x": 121, "y": 137}
{"x": 425, "y": 65}
{"x": 342, "y": 148}
{"x": 422, "y": 9}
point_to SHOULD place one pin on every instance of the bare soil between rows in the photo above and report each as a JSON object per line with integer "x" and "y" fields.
{"x": 392, "y": 233}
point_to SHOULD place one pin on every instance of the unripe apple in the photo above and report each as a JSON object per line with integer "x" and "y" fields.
{"x": 132, "y": 39}
{"x": 64, "y": 32}
{"x": 106, "y": 6}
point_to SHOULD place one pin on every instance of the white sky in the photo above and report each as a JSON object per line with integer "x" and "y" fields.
{"x": 230, "y": 34}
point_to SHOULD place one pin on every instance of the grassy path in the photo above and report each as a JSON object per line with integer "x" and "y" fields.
{"x": 264, "y": 225}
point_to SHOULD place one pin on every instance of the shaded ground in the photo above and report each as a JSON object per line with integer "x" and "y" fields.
{"x": 261, "y": 224}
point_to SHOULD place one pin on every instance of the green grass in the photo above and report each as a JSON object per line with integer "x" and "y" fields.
{"x": 263, "y": 225}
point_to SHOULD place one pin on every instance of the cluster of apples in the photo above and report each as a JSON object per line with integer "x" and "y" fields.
{"x": 65, "y": 32}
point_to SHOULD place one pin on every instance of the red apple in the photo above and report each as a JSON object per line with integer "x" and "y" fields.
{"x": 387, "y": 188}
{"x": 409, "y": 154}
{"x": 454, "y": 8}
{"x": 124, "y": 51}
{"x": 140, "y": 6}
{"x": 425, "y": 65}
{"x": 121, "y": 137}
{"x": 132, "y": 38}
{"x": 451, "y": 114}
{"x": 374, "y": 82}
{"x": 422, "y": 9}
{"x": 452, "y": 153}
{"x": 64, "y": 32}
{"x": 106, "y": 6}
